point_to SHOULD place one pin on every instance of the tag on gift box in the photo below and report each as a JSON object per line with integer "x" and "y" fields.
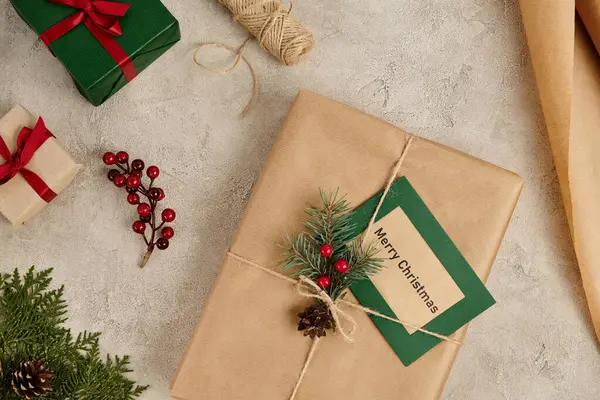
{"x": 426, "y": 280}
{"x": 44, "y": 158}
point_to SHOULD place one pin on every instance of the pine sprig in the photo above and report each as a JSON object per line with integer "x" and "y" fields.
{"x": 331, "y": 224}
{"x": 364, "y": 260}
{"x": 31, "y": 328}
{"x": 302, "y": 257}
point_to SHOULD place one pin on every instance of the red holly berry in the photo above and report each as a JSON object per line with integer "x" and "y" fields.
{"x": 342, "y": 266}
{"x": 154, "y": 193}
{"x": 326, "y": 250}
{"x": 139, "y": 227}
{"x": 133, "y": 198}
{"x": 162, "y": 243}
{"x": 153, "y": 172}
{"x": 324, "y": 281}
{"x": 133, "y": 182}
{"x": 137, "y": 165}
{"x": 168, "y": 215}
{"x": 136, "y": 173}
{"x": 119, "y": 181}
{"x": 122, "y": 157}
{"x": 111, "y": 174}
{"x": 109, "y": 158}
{"x": 167, "y": 232}
{"x": 144, "y": 209}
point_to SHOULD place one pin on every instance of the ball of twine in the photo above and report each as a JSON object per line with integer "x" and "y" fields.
{"x": 273, "y": 27}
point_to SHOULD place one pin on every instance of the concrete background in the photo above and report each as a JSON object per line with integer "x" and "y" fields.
{"x": 457, "y": 72}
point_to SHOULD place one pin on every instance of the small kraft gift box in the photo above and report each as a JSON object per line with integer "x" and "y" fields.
{"x": 103, "y": 44}
{"x": 444, "y": 209}
{"x": 35, "y": 167}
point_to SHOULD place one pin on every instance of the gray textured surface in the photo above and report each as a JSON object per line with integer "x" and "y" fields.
{"x": 453, "y": 71}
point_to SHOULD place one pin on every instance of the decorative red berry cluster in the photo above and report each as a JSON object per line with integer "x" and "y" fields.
{"x": 341, "y": 266}
{"x": 129, "y": 176}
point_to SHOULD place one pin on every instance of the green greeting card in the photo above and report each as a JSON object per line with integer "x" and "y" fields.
{"x": 426, "y": 282}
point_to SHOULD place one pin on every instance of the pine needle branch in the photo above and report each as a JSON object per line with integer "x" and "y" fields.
{"x": 330, "y": 223}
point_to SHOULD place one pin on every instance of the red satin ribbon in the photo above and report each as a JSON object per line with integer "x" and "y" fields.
{"x": 100, "y": 17}
{"x": 28, "y": 142}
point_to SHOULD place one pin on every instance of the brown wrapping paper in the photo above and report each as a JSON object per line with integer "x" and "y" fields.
{"x": 567, "y": 71}
{"x": 246, "y": 345}
{"x": 51, "y": 162}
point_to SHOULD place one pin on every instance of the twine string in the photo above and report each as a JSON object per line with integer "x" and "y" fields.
{"x": 239, "y": 57}
{"x": 274, "y": 29}
{"x": 309, "y": 357}
{"x": 400, "y": 321}
{"x": 348, "y": 303}
{"x": 391, "y": 179}
{"x": 307, "y": 288}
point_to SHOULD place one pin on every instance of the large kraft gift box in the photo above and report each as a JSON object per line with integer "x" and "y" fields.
{"x": 50, "y": 162}
{"x": 246, "y": 345}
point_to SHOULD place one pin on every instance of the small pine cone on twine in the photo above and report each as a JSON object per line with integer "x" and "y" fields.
{"x": 315, "y": 320}
{"x": 32, "y": 379}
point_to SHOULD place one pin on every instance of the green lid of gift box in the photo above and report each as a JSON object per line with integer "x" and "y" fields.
{"x": 148, "y": 30}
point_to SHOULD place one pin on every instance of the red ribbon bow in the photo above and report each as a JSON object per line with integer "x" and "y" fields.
{"x": 28, "y": 142}
{"x": 100, "y": 17}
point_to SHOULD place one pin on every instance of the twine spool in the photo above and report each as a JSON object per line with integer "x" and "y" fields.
{"x": 274, "y": 28}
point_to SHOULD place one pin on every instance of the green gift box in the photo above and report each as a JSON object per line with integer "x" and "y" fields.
{"x": 103, "y": 44}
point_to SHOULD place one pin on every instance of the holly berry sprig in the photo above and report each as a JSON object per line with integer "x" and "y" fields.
{"x": 129, "y": 176}
{"x": 329, "y": 254}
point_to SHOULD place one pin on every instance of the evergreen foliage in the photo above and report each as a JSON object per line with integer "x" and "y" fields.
{"x": 31, "y": 328}
{"x": 331, "y": 223}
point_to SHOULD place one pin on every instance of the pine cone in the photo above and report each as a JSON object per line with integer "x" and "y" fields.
{"x": 315, "y": 320}
{"x": 32, "y": 379}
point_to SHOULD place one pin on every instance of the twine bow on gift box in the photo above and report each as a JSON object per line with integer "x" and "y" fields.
{"x": 100, "y": 17}
{"x": 28, "y": 142}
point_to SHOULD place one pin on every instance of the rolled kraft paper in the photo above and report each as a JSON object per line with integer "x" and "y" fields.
{"x": 567, "y": 71}
{"x": 271, "y": 24}
{"x": 589, "y": 11}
